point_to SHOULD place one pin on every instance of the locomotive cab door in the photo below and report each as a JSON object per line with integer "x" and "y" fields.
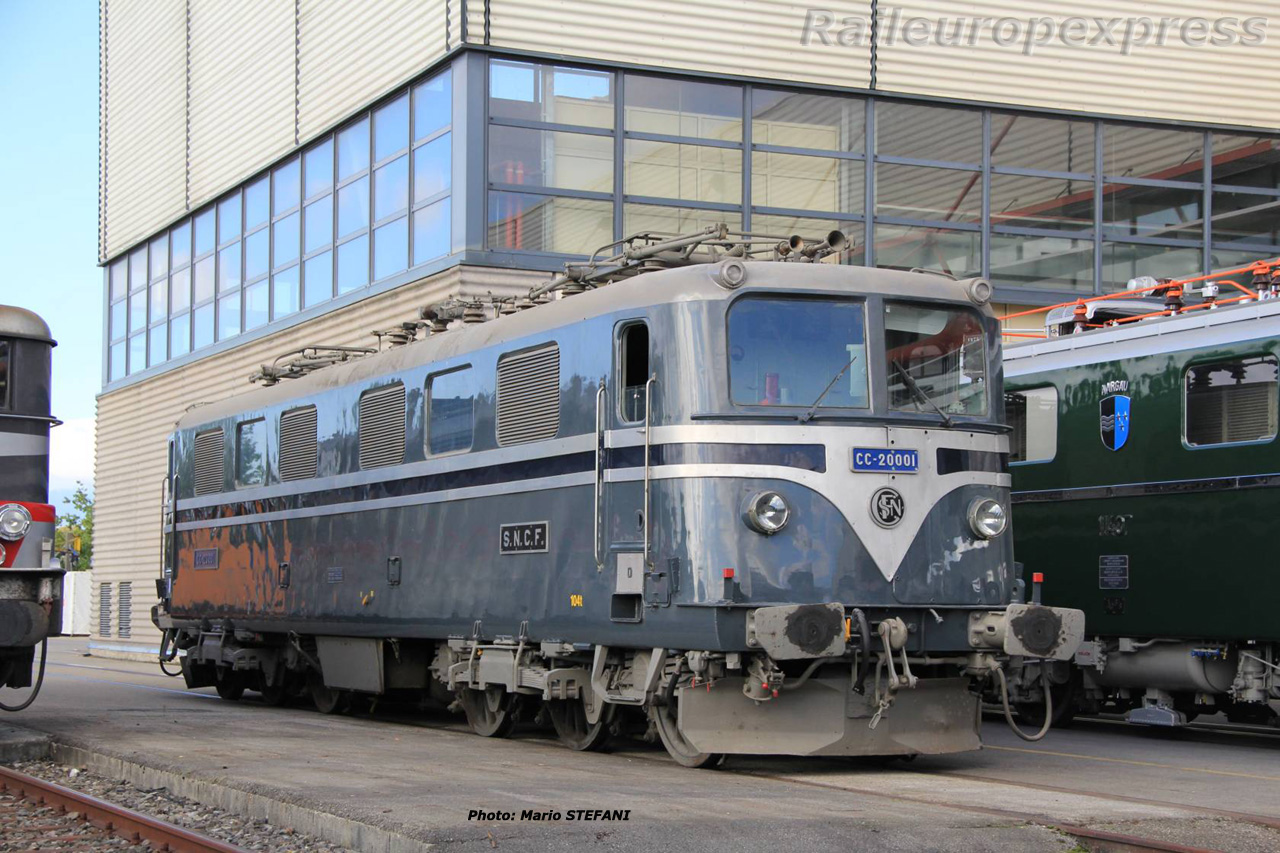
{"x": 624, "y": 522}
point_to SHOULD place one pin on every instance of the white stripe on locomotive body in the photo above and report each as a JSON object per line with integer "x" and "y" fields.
{"x": 21, "y": 444}
{"x": 849, "y": 491}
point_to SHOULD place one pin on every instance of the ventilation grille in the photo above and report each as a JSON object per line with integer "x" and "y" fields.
{"x": 1231, "y": 413}
{"x": 104, "y": 610}
{"x": 298, "y": 446}
{"x": 382, "y": 426}
{"x": 124, "y": 622}
{"x": 529, "y": 396}
{"x": 209, "y": 465}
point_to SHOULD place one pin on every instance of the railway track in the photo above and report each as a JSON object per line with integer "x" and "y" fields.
{"x": 125, "y": 823}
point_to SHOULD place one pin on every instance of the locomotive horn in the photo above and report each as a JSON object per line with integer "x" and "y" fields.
{"x": 792, "y": 244}
{"x": 835, "y": 242}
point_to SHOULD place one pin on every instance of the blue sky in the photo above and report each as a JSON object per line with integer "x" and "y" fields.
{"x": 49, "y": 204}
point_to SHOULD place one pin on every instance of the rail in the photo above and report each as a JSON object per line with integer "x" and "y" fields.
{"x": 123, "y": 822}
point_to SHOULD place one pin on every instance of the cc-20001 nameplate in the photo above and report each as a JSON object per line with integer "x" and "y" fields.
{"x": 526, "y": 538}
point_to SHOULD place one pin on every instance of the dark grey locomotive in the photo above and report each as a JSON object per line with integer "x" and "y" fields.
{"x": 746, "y": 507}
{"x": 30, "y": 581}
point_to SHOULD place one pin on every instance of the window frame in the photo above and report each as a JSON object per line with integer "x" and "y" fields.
{"x": 266, "y": 458}
{"x": 1057, "y": 416}
{"x": 864, "y": 303}
{"x": 426, "y": 420}
{"x": 6, "y": 373}
{"x": 623, "y": 328}
{"x": 989, "y": 413}
{"x": 1239, "y": 357}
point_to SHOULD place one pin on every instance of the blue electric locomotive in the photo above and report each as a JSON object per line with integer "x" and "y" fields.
{"x": 749, "y": 507}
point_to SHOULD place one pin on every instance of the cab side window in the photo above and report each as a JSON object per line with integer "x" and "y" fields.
{"x": 1033, "y": 415}
{"x": 4, "y": 374}
{"x": 1231, "y": 401}
{"x": 633, "y": 371}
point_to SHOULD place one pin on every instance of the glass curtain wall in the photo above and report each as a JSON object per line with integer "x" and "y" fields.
{"x": 1052, "y": 204}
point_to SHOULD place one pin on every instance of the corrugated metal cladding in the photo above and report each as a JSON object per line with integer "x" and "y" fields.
{"x": 529, "y": 396}
{"x": 350, "y": 53}
{"x": 134, "y": 422}
{"x": 381, "y": 426}
{"x": 263, "y": 77}
{"x": 299, "y": 445}
{"x": 242, "y": 90}
{"x": 143, "y": 112}
{"x": 1202, "y": 83}
{"x": 757, "y": 38}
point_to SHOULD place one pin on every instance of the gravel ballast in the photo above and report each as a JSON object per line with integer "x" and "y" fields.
{"x": 249, "y": 833}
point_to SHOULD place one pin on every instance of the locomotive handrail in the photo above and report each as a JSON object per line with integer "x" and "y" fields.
{"x": 648, "y": 421}
{"x": 599, "y": 478}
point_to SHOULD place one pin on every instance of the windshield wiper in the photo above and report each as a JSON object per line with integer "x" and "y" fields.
{"x": 812, "y": 410}
{"x": 919, "y": 393}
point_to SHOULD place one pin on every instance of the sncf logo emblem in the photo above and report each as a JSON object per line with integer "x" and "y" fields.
{"x": 887, "y": 507}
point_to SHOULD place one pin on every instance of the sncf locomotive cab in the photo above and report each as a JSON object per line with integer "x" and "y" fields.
{"x": 745, "y": 507}
{"x": 30, "y": 583}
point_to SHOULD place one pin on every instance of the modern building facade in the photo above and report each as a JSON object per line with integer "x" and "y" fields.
{"x": 277, "y": 174}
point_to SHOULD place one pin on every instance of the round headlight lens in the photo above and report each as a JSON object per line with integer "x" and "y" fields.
{"x": 14, "y": 521}
{"x": 767, "y": 513}
{"x": 987, "y": 518}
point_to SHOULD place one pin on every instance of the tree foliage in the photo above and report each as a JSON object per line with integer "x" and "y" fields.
{"x": 76, "y": 523}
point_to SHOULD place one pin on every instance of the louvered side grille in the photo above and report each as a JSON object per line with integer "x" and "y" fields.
{"x": 529, "y": 396}
{"x": 124, "y": 622}
{"x": 298, "y": 446}
{"x": 1251, "y": 412}
{"x": 382, "y": 426}
{"x": 104, "y": 610}
{"x": 1231, "y": 413}
{"x": 209, "y": 462}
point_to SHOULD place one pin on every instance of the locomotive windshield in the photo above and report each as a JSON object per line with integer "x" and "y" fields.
{"x": 936, "y": 359}
{"x": 784, "y": 352}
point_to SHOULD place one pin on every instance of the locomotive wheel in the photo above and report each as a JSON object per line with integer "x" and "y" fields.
{"x": 680, "y": 749}
{"x": 569, "y": 717}
{"x": 491, "y": 712}
{"x": 328, "y": 700}
{"x": 230, "y": 686}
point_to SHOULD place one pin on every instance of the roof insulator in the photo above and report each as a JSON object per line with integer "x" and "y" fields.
{"x": 474, "y": 313}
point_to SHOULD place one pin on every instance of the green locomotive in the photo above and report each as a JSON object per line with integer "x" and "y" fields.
{"x": 1146, "y": 489}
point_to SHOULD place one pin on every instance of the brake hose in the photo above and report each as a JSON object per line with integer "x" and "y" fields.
{"x": 1008, "y": 715}
{"x": 35, "y": 691}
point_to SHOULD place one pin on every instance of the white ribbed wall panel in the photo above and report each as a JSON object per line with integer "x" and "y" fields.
{"x": 143, "y": 105}
{"x": 242, "y": 70}
{"x": 350, "y": 53}
{"x": 757, "y": 38}
{"x": 1224, "y": 84}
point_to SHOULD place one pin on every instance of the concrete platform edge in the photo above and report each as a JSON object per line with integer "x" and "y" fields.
{"x": 20, "y": 744}
{"x": 274, "y": 806}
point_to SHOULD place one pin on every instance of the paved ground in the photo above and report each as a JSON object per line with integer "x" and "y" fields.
{"x": 420, "y": 777}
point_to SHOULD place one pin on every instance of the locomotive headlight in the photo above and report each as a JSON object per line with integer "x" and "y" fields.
{"x": 767, "y": 513}
{"x": 14, "y": 521}
{"x": 987, "y": 518}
